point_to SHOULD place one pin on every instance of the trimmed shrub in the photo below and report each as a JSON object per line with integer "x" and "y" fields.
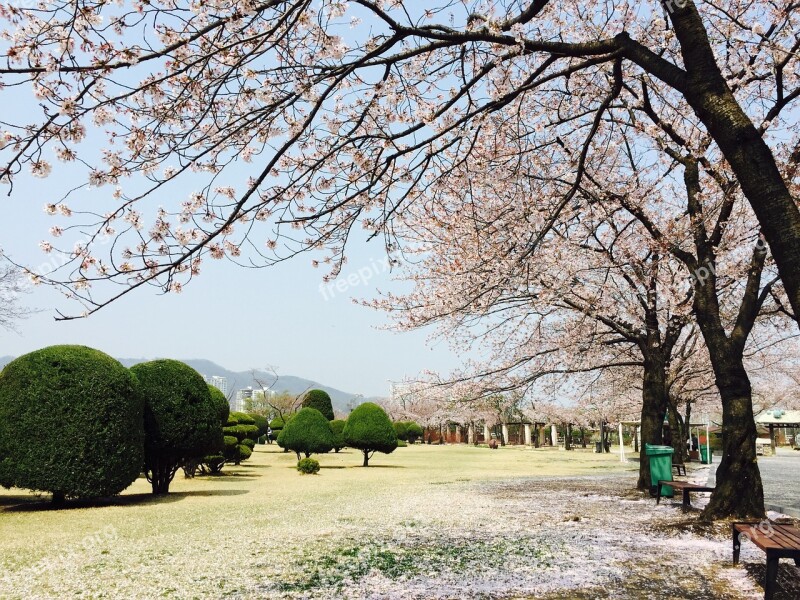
{"x": 243, "y": 438}
{"x": 181, "y": 421}
{"x": 337, "y": 426}
{"x": 71, "y": 423}
{"x": 262, "y": 423}
{"x": 309, "y": 432}
{"x": 220, "y": 404}
{"x": 212, "y": 464}
{"x": 308, "y": 466}
{"x": 320, "y": 400}
{"x": 369, "y": 429}
{"x": 243, "y": 418}
{"x": 401, "y": 430}
{"x": 402, "y": 443}
{"x": 413, "y": 432}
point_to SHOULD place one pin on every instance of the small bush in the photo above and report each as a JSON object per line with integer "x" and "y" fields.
{"x": 244, "y": 451}
{"x": 308, "y": 466}
{"x": 212, "y": 464}
{"x": 402, "y": 443}
{"x": 249, "y": 443}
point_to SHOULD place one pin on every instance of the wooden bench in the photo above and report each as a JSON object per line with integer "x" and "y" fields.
{"x": 685, "y": 487}
{"x": 679, "y": 467}
{"x": 777, "y": 541}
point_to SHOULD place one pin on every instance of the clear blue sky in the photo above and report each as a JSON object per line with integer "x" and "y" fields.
{"x": 239, "y": 318}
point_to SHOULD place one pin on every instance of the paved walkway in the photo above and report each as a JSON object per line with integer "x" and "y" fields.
{"x": 780, "y": 476}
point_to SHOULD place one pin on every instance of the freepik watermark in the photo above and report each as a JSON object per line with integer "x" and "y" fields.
{"x": 672, "y": 5}
{"x": 702, "y": 274}
{"x": 360, "y": 277}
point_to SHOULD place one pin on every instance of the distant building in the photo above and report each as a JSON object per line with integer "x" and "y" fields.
{"x": 221, "y": 383}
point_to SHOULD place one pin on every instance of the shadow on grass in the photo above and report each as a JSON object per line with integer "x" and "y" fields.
{"x": 43, "y": 504}
{"x": 226, "y": 475}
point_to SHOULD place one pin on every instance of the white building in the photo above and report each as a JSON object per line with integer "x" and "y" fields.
{"x": 221, "y": 383}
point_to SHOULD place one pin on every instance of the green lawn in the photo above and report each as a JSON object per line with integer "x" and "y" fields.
{"x": 422, "y": 519}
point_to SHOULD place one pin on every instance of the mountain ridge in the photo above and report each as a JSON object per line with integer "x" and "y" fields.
{"x": 342, "y": 401}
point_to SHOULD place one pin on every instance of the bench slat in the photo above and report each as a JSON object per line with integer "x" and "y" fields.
{"x": 778, "y": 539}
{"x": 786, "y": 540}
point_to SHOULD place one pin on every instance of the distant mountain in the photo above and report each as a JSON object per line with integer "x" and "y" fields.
{"x": 237, "y": 380}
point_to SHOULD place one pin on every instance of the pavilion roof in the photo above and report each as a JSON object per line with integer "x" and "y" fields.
{"x": 784, "y": 418}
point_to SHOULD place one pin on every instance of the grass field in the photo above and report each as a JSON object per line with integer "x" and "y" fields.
{"x": 425, "y": 521}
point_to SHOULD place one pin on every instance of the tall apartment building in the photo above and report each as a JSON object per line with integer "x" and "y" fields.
{"x": 221, "y": 383}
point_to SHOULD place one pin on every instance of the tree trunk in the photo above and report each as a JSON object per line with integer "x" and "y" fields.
{"x": 654, "y": 406}
{"x": 568, "y": 437}
{"x": 297, "y": 452}
{"x": 678, "y": 434}
{"x": 58, "y": 499}
{"x": 366, "y": 458}
{"x": 739, "y": 492}
{"x": 742, "y": 145}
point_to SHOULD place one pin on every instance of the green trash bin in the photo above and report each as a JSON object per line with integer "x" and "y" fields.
{"x": 660, "y": 467}
{"x": 705, "y": 454}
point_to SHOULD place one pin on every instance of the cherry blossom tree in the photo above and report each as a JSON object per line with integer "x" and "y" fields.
{"x": 311, "y": 119}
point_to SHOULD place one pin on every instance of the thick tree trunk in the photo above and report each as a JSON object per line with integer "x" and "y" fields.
{"x": 568, "y": 437}
{"x": 742, "y": 145}
{"x": 583, "y": 438}
{"x": 739, "y": 492}
{"x": 366, "y": 458}
{"x": 654, "y": 405}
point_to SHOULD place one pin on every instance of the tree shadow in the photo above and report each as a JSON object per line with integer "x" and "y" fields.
{"x": 379, "y": 467}
{"x": 224, "y": 475}
{"x": 40, "y": 504}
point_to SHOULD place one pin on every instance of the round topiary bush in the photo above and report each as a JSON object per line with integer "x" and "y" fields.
{"x": 320, "y": 400}
{"x": 413, "y": 432}
{"x": 308, "y": 466}
{"x": 181, "y": 421}
{"x": 369, "y": 429}
{"x": 401, "y": 429}
{"x": 309, "y": 432}
{"x": 71, "y": 423}
{"x": 337, "y": 426}
{"x": 221, "y": 404}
